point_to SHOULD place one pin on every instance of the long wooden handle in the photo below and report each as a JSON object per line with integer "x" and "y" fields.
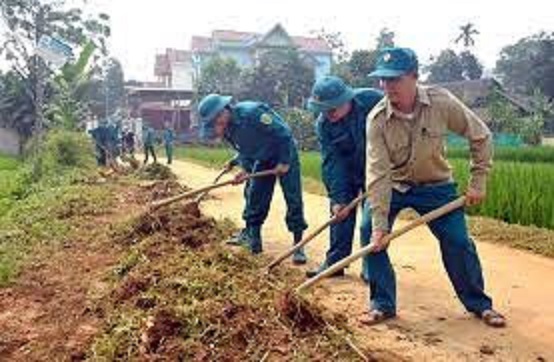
{"x": 160, "y": 203}
{"x": 205, "y": 193}
{"x": 351, "y": 206}
{"x": 451, "y": 206}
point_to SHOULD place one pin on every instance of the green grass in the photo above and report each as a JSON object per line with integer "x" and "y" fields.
{"x": 216, "y": 157}
{"x": 42, "y": 198}
{"x": 518, "y": 192}
{"x": 45, "y": 217}
{"x": 8, "y": 171}
{"x": 541, "y": 154}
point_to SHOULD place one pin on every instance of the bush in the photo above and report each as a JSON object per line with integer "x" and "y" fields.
{"x": 302, "y": 124}
{"x": 61, "y": 157}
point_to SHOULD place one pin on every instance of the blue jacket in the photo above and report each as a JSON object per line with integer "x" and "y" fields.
{"x": 168, "y": 136}
{"x": 258, "y": 133}
{"x": 343, "y": 147}
{"x": 149, "y": 137}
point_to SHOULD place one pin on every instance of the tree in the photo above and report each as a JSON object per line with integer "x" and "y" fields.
{"x": 451, "y": 67}
{"x": 355, "y": 71}
{"x": 281, "y": 78}
{"x": 529, "y": 126}
{"x": 302, "y": 125}
{"x": 472, "y": 68}
{"x": 16, "y": 106}
{"x": 528, "y": 64}
{"x": 106, "y": 91}
{"x": 335, "y": 41}
{"x": 385, "y": 39}
{"x": 447, "y": 67}
{"x": 466, "y": 36}
{"x": 219, "y": 75}
{"x": 356, "y": 68}
{"x": 26, "y": 22}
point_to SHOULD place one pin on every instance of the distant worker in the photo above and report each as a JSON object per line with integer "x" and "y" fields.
{"x": 129, "y": 142}
{"x": 168, "y": 138}
{"x": 100, "y": 137}
{"x": 149, "y": 143}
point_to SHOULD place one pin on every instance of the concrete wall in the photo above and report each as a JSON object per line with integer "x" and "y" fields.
{"x": 241, "y": 56}
{"x": 9, "y": 141}
{"x": 182, "y": 75}
{"x": 548, "y": 141}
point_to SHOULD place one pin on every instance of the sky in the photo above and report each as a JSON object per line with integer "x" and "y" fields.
{"x": 142, "y": 28}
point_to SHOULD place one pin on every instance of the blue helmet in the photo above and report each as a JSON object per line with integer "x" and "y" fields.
{"x": 211, "y": 105}
{"x": 208, "y": 109}
{"x": 329, "y": 92}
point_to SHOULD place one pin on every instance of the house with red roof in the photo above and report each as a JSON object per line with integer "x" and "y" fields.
{"x": 245, "y": 48}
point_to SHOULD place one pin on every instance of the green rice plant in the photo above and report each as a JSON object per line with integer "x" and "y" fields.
{"x": 514, "y": 154}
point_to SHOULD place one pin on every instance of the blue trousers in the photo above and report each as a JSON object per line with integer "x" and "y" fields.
{"x": 247, "y": 166}
{"x": 458, "y": 251}
{"x": 169, "y": 153}
{"x": 260, "y": 194}
{"x": 342, "y": 235}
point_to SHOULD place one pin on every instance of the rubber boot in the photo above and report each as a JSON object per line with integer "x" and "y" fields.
{"x": 239, "y": 239}
{"x": 299, "y": 257}
{"x": 255, "y": 234}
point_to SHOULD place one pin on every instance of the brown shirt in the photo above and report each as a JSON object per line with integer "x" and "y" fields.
{"x": 404, "y": 151}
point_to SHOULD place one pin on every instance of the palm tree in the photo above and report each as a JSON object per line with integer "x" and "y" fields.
{"x": 467, "y": 32}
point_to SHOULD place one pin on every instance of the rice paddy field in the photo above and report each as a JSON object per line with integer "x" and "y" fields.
{"x": 520, "y": 188}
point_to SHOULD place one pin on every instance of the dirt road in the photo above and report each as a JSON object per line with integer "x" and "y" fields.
{"x": 432, "y": 324}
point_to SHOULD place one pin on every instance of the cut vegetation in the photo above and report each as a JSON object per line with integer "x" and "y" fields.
{"x": 157, "y": 287}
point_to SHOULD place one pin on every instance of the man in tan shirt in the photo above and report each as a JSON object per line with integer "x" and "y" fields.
{"x": 406, "y": 168}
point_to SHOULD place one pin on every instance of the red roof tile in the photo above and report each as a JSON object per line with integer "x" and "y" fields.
{"x": 205, "y": 44}
{"x": 231, "y": 35}
{"x": 311, "y": 45}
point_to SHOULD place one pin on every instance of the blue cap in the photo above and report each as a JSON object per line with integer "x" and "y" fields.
{"x": 328, "y": 93}
{"x": 211, "y": 105}
{"x": 395, "y": 62}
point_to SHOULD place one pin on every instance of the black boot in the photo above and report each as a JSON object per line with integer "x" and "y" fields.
{"x": 254, "y": 232}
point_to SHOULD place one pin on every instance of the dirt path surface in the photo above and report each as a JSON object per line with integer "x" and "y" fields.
{"x": 432, "y": 324}
{"x": 48, "y": 314}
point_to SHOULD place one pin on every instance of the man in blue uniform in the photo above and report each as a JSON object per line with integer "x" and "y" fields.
{"x": 340, "y": 129}
{"x": 259, "y": 134}
{"x": 149, "y": 141}
{"x": 168, "y": 138}
{"x": 99, "y": 135}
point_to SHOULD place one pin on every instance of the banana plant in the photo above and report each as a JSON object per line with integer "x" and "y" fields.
{"x": 69, "y": 106}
